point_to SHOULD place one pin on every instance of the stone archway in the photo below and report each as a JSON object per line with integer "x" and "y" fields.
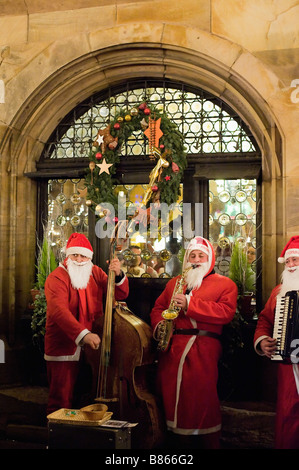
{"x": 60, "y": 92}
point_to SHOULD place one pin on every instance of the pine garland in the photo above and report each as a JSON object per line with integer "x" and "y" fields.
{"x": 100, "y": 186}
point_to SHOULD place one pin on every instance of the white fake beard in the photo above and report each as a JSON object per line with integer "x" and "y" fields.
{"x": 289, "y": 280}
{"x": 79, "y": 273}
{"x": 195, "y": 276}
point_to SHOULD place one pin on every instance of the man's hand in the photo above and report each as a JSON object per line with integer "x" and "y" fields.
{"x": 115, "y": 266}
{"x": 180, "y": 301}
{"x": 268, "y": 346}
{"x": 92, "y": 340}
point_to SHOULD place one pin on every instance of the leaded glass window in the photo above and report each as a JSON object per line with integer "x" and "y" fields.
{"x": 212, "y": 132}
{"x": 232, "y": 218}
{"x": 208, "y": 125}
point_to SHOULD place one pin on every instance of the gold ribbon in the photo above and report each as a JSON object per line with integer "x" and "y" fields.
{"x": 155, "y": 174}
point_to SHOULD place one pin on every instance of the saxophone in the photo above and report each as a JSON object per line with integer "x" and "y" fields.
{"x": 164, "y": 329}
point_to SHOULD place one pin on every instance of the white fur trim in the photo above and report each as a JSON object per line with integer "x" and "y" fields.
{"x": 121, "y": 281}
{"x": 291, "y": 252}
{"x": 281, "y": 260}
{"x": 191, "y": 432}
{"x": 179, "y": 376}
{"x": 202, "y": 248}
{"x": 73, "y": 357}
{"x": 79, "y": 250}
{"x": 81, "y": 336}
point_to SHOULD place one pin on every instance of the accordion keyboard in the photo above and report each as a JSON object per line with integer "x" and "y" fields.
{"x": 280, "y": 324}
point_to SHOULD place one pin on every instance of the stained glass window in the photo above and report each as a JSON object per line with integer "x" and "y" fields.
{"x": 232, "y": 219}
{"x": 208, "y": 126}
{"x": 212, "y": 132}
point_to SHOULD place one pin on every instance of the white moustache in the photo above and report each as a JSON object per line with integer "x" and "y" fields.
{"x": 293, "y": 269}
{"x": 83, "y": 263}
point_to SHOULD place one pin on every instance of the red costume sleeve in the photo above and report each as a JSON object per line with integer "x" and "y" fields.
{"x": 121, "y": 287}
{"x": 58, "y": 311}
{"x": 214, "y": 302}
{"x": 265, "y": 322}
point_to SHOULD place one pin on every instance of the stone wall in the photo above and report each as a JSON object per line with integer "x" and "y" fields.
{"x": 55, "y": 54}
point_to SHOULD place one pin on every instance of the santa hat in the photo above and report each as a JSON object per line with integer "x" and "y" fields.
{"x": 78, "y": 244}
{"x": 202, "y": 244}
{"x": 291, "y": 249}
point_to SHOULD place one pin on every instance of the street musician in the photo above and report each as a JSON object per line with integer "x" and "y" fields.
{"x": 265, "y": 343}
{"x": 188, "y": 369}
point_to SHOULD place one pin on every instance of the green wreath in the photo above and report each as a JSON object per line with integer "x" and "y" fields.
{"x": 164, "y": 186}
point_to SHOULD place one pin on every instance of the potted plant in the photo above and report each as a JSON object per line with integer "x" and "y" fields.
{"x": 45, "y": 265}
{"x": 242, "y": 274}
{"x": 233, "y": 333}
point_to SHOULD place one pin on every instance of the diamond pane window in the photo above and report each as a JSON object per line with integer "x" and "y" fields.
{"x": 232, "y": 218}
{"x": 143, "y": 256}
{"x": 208, "y": 126}
{"x": 213, "y": 134}
{"x": 67, "y": 212}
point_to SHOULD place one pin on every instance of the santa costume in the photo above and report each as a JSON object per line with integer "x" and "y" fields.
{"x": 188, "y": 369}
{"x": 71, "y": 312}
{"x": 287, "y": 407}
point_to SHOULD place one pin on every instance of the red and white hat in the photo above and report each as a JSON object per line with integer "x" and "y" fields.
{"x": 291, "y": 249}
{"x": 78, "y": 244}
{"x": 202, "y": 244}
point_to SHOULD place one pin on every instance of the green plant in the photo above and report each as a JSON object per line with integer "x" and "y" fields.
{"x": 232, "y": 334}
{"x": 46, "y": 264}
{"x": 240, "y": 270}
{"x": 38, "y": 320}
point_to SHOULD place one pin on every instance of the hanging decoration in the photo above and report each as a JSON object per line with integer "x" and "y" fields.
{"x": 166, "y": 150}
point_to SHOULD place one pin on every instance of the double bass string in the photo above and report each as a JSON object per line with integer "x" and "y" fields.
{"x": 106, "y": 338}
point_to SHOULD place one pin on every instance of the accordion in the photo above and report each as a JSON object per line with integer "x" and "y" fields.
{"x": 286, "y": 324}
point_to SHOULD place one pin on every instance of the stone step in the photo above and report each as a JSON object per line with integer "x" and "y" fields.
{"x": 248, "y": 425}
{"x": 25, "y": 436}
{"x": 23, "y": 423}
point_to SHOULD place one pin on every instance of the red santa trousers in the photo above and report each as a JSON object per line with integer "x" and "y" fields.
{"x": 62, "y": 376}
{"x": 287, "y": 412}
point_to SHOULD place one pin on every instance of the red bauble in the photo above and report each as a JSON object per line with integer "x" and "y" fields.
{"x": 99, "y": 155}
{"x": 142, "y": 106}
{"x": 175, "y": 167}
{"x": 162, "y": 146}
{"x": 116, "y": 126}
{"x": 154, "y": 188}
{"x": 147, "y": 111}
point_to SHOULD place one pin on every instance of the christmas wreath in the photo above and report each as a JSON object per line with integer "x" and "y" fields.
{"x": 166, "y": 150}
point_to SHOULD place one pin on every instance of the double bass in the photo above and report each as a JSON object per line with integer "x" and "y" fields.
{"x": 126, "y": 369}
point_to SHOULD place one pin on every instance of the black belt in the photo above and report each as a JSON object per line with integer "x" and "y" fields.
{"x": 195, "y": 331}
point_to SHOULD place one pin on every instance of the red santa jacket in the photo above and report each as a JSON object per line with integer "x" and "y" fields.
{"x": 211, "y": 306}
{"x": 71, "y": 312}
{"x": 266, "y": 320}
{"x": 187, "y": 371}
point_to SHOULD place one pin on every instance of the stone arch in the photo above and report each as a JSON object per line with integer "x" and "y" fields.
{"x": 53, "y": 98}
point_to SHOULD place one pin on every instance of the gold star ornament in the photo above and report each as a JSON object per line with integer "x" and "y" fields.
{"x": 104, "y": 166}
